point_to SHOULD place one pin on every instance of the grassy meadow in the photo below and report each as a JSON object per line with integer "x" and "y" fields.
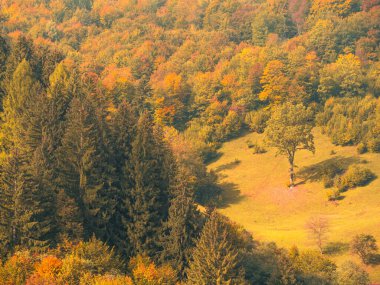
{"x": 257, "y": 197}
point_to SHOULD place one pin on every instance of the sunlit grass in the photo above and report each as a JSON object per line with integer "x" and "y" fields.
{"x": 257, "y": 196}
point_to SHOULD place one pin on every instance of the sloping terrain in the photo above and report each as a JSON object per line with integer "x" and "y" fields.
{"x": 256, "y": 195}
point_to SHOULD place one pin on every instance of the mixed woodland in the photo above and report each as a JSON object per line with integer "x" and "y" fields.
{"x": 111, "y": 110}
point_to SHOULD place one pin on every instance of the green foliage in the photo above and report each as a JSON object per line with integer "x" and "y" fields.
{"x": 350, "y": 273}
{"x": 289, "y": 129}
{"x": 257, "y": 148}
{"x": 183, "y": 225}
{"x": 333, "y": 194}
{"x": 256, "y": 120}
{"x": 364, "y": 246}
{"x": 315, "y": 268}
{"x": 355, "y": 176}
{"x": 344, "y": 78}
{"x": 350, "y": 120}
{"x": 148, "y": 197}
{"x": 81, "y": 160}
{"x": 206, "y": 267}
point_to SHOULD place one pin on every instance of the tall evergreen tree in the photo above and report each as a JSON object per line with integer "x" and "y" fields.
{"x": 214, "y": 259}
{"x": 43, "y": 197}
{"x": 123, "y": 125}
{"x": 4, "y": 53}
{"x": 183, "y": 226}
{"x": 29, "y": 189}
{"x": 148, "y": 197}
{"x": 22, "y": 93}
{"x": 12, "y": 182}
{"x": 22, "y": 49}
{"x": 81, "y": 162}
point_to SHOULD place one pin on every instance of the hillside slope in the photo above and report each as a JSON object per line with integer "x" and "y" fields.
{"x": 256, "y": 195}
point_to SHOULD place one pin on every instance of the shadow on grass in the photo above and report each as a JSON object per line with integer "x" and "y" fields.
{"x": 332, "y": 166}
{"x": 230, "y": 165}
{"x": 374, "y": 259}
{"x": 336, "y": 248}
{"x": 230, "y": 195}
{"x": 212, "y": 157}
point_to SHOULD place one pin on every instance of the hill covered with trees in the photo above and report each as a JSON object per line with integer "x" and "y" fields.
{"x": 110, "y": 110}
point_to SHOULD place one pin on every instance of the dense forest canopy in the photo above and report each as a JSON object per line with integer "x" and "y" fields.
{"x": 111, "y": 108}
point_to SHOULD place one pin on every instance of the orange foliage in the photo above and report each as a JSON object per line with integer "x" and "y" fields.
{"x": 146, "y": 272}
{"x": 172, "y": 83}
{"x": 46, "y": 271}
{"x": 112, "y": 76}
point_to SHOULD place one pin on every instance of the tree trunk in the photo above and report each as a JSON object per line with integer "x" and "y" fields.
{"x": 292, "y": 175}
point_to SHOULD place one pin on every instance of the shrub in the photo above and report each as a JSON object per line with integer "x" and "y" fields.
{"x": 17, "y": 268}
{"x": 364, "y": 246}
{"x": 333, "y": 194}
{"x": 89, "y": 259}
{"x": 146, "y": 272}
{"x": 315, "y": 268}
{"x": 328, "y": 181}
{"x": 257, "y": 148}
{"x": 45, "y": 271}
{"x": 352, "y": 274}
{"x": 257, "y": 120}
{"x": 354, "y": 177}
{"x": 361, "y": 148}
{"x": 374, "y": 144}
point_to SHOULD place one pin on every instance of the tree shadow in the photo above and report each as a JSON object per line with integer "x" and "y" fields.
{"x": 230, "y": 165}
{"x": 230, "y": 194}
{"x": 212, "y": 157}
{"x": 374, "y": 259}
{"x": 336, "y": 248}
{"x": 330, "y": 167}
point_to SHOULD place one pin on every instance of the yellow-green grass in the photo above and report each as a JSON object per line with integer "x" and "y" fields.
{"x": 257, "y": 196}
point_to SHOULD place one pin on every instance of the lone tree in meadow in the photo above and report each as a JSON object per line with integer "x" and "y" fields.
{"x": 289, "y": 129}
{"x": 318, "y": 228}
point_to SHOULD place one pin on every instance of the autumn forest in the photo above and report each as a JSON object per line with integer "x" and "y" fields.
{"x": 133, "y": 134}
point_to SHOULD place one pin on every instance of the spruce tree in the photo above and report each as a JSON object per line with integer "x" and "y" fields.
{"x": 44, "y": 197}
{"x": 32, "y": 194}
{"x": 4, "y": 53}
{"x": 22, "y": 93}
{"x": 11, "y": 185}
{"x": 214, "y": 259}
{"x": 148, "y": 198}
{"x": 22, "y": 49}
{"x": 183, "y": 226}
{"x": 81, "y": 161}
{"x": 123, "y": 125}
{"x": 60, "y": 93}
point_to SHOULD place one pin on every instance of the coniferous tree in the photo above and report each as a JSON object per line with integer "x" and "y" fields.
{"x": 31, "y": 195}
{"x": 148, "y": 197}
{"x": 12, "y": 182}
{"x": 43, "y": 190}
{"x": 81, "y": 161}
{"x": 60, "y": 93}
{"x": 214, "y": 259}
{"x": 4, "y": 53}
{"x": 69, "y": 218}
{"x": 183, "y": 225}
{"x": 22, "y": 92}
{"x": 22, "y": 49}
{"x": 123, "y": 125}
